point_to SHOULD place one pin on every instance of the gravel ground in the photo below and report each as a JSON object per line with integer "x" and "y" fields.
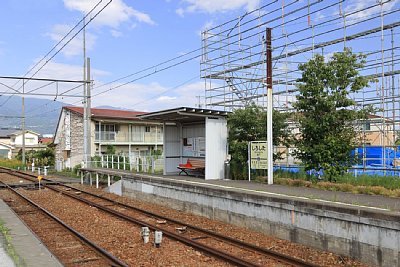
{"x": 124, "y": 241}
{"x": 300, "y": 251}
{"x": 121, "y": 238}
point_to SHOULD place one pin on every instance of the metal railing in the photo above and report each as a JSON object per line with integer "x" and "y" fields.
{"x": 143, "y": 164}
{"x": 110, "y": 137}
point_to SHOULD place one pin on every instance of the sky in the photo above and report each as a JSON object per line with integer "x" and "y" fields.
{"x": 128, "y": 39}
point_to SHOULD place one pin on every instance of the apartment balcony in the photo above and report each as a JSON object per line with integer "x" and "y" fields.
{"x": 123, "y": 138}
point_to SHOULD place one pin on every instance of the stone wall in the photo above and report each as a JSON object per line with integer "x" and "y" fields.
{"x": 76, "y": 140}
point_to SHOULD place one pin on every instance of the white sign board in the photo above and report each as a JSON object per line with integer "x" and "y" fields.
{"x": 259, "y": 155}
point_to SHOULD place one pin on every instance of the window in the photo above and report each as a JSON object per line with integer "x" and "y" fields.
{"x": 107, "y": 132}
{"x": 137, "y": 134}
{"x": 30, "y": 140}
{"x": 366, "y": 126}
{"x": 147, "y": 129}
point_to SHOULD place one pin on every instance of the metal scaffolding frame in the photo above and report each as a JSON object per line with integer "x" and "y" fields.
{"x": 233, "y": 63}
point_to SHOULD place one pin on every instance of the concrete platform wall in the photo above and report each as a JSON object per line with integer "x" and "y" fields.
{"x": 370, "y": 236}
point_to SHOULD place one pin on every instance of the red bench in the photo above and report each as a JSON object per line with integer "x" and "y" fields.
{"x": 197, "y": 166}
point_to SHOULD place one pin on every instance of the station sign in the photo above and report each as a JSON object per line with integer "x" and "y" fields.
{"x": 258, "y": 155}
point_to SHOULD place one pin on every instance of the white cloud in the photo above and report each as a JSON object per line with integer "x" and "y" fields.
{"x": 75, "y": 47}
{"x": 180, "y": 12}
{"x": 165, "y": 98}
{"x": 68, "y": 71}
{"x": 354, "y": 5}
{"x": 319, "y": 16}
{"x": 113, "y": 15}
{"x": 149, "y": 97}
{"x": 213, "y": 6}
{"x": 116, "y": 33}
{"x": 208, "y": 25}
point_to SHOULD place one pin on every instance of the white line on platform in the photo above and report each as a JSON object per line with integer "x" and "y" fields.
{"x": 270, "y": 193}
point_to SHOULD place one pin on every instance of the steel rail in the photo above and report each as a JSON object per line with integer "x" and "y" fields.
{"x": 111, "y": 258}
{"x": 220, "y": 254}
{"x": 267, "y": 252}
{"x": 273, "y": 254}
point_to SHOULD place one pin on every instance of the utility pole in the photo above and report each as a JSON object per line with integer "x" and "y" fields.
{"x": 269, "y": 106}
{"x": 23, "y": 123}
{"x": 84, "y": 97}
{"x": 87, "y": 117}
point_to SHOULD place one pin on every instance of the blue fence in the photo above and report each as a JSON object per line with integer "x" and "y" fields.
{"x": 372, "y": 161}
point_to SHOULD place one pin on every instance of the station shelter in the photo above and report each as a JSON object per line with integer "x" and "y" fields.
{"x": 193, "y": 133}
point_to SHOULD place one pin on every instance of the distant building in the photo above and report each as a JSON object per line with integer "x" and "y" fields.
{"x": 120, "y": 128}
{"x": 46, "y": 140}
{"x": 377, "y": 131}
{"x": 11, "y": 142}
{"x": 373, "y": 131}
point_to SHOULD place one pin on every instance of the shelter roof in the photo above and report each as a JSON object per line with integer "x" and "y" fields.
{"x": 183, "y": 114}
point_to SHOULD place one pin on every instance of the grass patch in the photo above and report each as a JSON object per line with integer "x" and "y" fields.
{"x": 19, "y": 262}
{"x": 341, "y": 187}
{"x": 65, "y": 172}
{"x": 11, "y": 163}
{"x": 368, "y": 184}
{"x": 388, "y": 182}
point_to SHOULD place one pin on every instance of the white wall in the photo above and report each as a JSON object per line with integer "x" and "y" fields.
{"x": 216, "y": 146}
{"x": 195, "y": 132}
{"x": 8, "y": 149}
{"x": 30, "y": 139}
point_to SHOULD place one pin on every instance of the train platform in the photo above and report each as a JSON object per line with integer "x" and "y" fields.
{"x": 346, "y": 199}
{"x": 28, "y": 249}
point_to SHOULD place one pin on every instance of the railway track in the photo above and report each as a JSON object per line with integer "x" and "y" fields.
{"x": 226, "y": 248}
{"x": 76, "y": 248}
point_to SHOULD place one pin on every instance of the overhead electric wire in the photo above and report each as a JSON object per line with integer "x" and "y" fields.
{"x": 62, "y": 39}
{"x": 140, "y": 102}
{"x": 277, "y": 47}
{"x": 65, "y": 44}
{"x": 153, "y": 67}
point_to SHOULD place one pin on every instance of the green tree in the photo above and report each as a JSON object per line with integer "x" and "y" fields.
{"x": 326, "y": 113}
{"x": 110, "y": 150}
{"x": 44, "y": 157}
{"x": 249, "y": 124}
{"x": 397, "y": 142}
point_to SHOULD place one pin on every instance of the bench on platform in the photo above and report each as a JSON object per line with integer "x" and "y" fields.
{"x": 196, "y": 166}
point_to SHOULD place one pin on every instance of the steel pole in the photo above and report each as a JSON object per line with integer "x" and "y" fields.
{"x": 88, "y": 115}
{"x": 23, "y": 123}
{"x": 268, "y": 46}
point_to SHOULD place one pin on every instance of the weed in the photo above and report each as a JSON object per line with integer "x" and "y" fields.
{"x": 19, "y": 262}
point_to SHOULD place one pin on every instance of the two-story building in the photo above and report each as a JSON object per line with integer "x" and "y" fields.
{"x": 120, "y": 128}
{"x": 11, "y": 142}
